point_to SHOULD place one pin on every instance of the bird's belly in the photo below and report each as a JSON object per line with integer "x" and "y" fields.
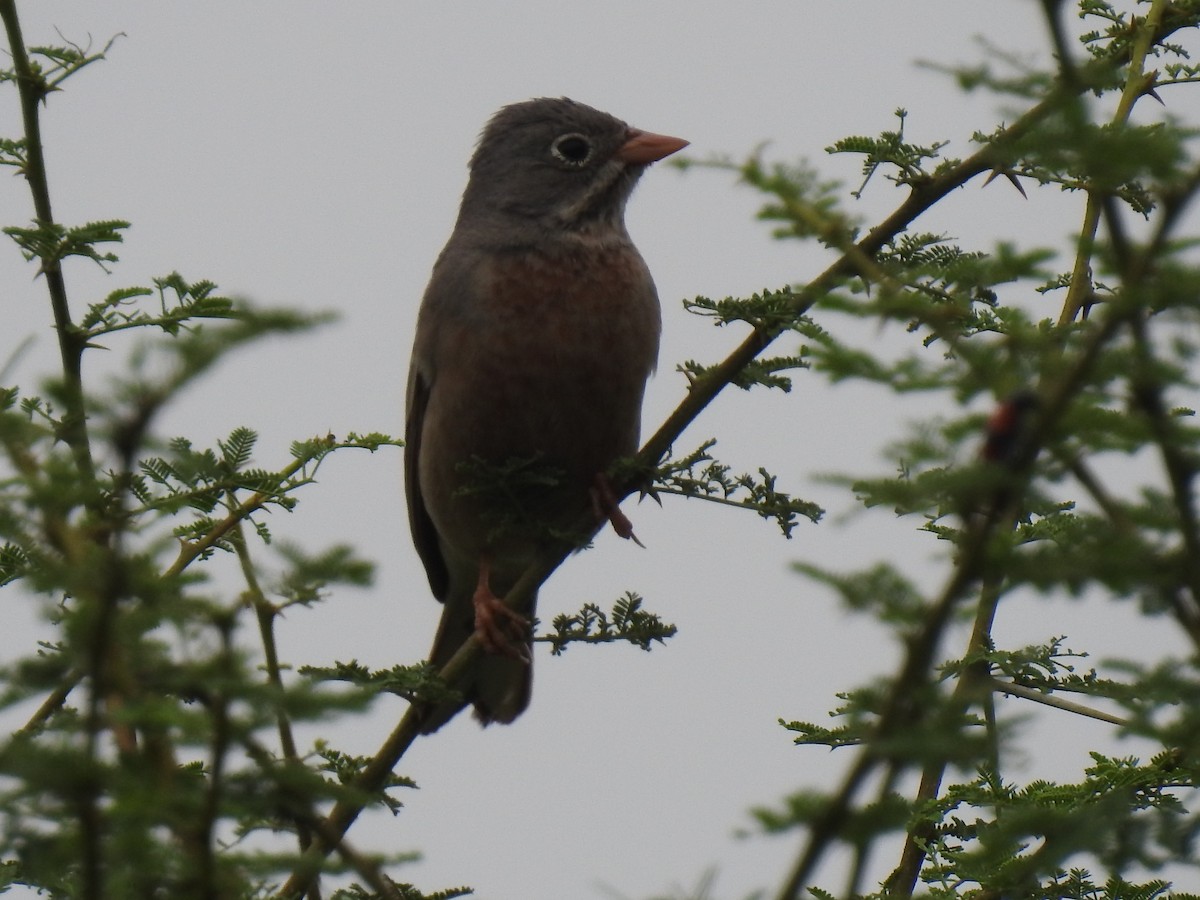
{"x": 574, "y": 409}
{"x": 540, "y": 399}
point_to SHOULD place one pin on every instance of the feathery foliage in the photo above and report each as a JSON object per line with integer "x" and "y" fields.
{"x": 160, "y": 757}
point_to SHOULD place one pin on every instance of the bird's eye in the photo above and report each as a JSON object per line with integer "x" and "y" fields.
{"x": 572, "y": 149}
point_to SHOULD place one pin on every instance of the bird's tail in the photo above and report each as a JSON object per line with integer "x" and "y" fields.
{"x": 498, "y": 686}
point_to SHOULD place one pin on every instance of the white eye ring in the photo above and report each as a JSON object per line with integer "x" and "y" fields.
{"x": 572, "y": 149}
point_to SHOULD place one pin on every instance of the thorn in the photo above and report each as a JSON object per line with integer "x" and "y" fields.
{"x": 1012, "y": 179}
{"x": 1148, "y": 88}
{"x": 651, "y": 493}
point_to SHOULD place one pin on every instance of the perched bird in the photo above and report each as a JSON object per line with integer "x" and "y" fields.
{"x": 535, "y": 338}
{"x": 1007, "y": 425}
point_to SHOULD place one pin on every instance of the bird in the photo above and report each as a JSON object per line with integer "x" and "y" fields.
{"x": 1007, "y": 426}
{"x": 535, "y": 338}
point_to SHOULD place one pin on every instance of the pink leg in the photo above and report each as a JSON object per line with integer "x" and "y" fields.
{"x": 605, "y": 503}
{"x": 500, "y": 629}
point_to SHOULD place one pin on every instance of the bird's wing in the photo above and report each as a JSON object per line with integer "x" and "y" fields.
{"x": 424, "y": 533}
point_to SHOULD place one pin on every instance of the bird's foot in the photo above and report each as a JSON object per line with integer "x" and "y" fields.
{"x": 500, "y": 629}
{"x": 604, "y": 501}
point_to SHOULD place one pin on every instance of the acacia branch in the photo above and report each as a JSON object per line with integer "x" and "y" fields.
{"x": 238, "y": 514}
{"x": 1136, "y": 84}
{"x": 265, "y": 614}
{"x": 1019, "y": 690}
{"x": 32, "y": 89}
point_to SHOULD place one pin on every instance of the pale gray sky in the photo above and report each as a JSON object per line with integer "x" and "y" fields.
{"x": 313, "y": 154}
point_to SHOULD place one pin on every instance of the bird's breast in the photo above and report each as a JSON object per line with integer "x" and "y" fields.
{"x": 585, "y": 324}
{"x": 549, "y": 360}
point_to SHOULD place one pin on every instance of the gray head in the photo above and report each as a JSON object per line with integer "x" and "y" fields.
{"x": 555, "y": 163}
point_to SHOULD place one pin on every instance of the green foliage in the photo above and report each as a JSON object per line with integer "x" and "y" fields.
{"x": 51, "y": 243}
{"x": 1022, "y": 498}
{"x": 146, "y": 765}
{"x": 402, "y": 892}
{"x": 770, "y": 310}
{"x": 806, "y": 205}
{"x": 1015, "y": 840}
{"x": 802, "y": 810}
{"x": 179, "y": 303}
{"x": 881, "y": 590}
{"x": 699, "y": 475}
{"x": 592, "y": 625}
{"x": 890, "y": 151}
{"x": 159, "y": 758}
{"x": 347, "y": 769}
{"x": 417, "y": 683}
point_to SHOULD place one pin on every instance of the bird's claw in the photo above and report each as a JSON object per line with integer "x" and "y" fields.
{"x": 604, "y": 501}
{"x": 499, "y": 628}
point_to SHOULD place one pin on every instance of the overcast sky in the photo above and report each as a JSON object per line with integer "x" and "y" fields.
{"x": 313, "y": 155}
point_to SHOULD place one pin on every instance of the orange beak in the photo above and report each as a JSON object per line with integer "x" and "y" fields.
{"x": 643, "y": 147}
